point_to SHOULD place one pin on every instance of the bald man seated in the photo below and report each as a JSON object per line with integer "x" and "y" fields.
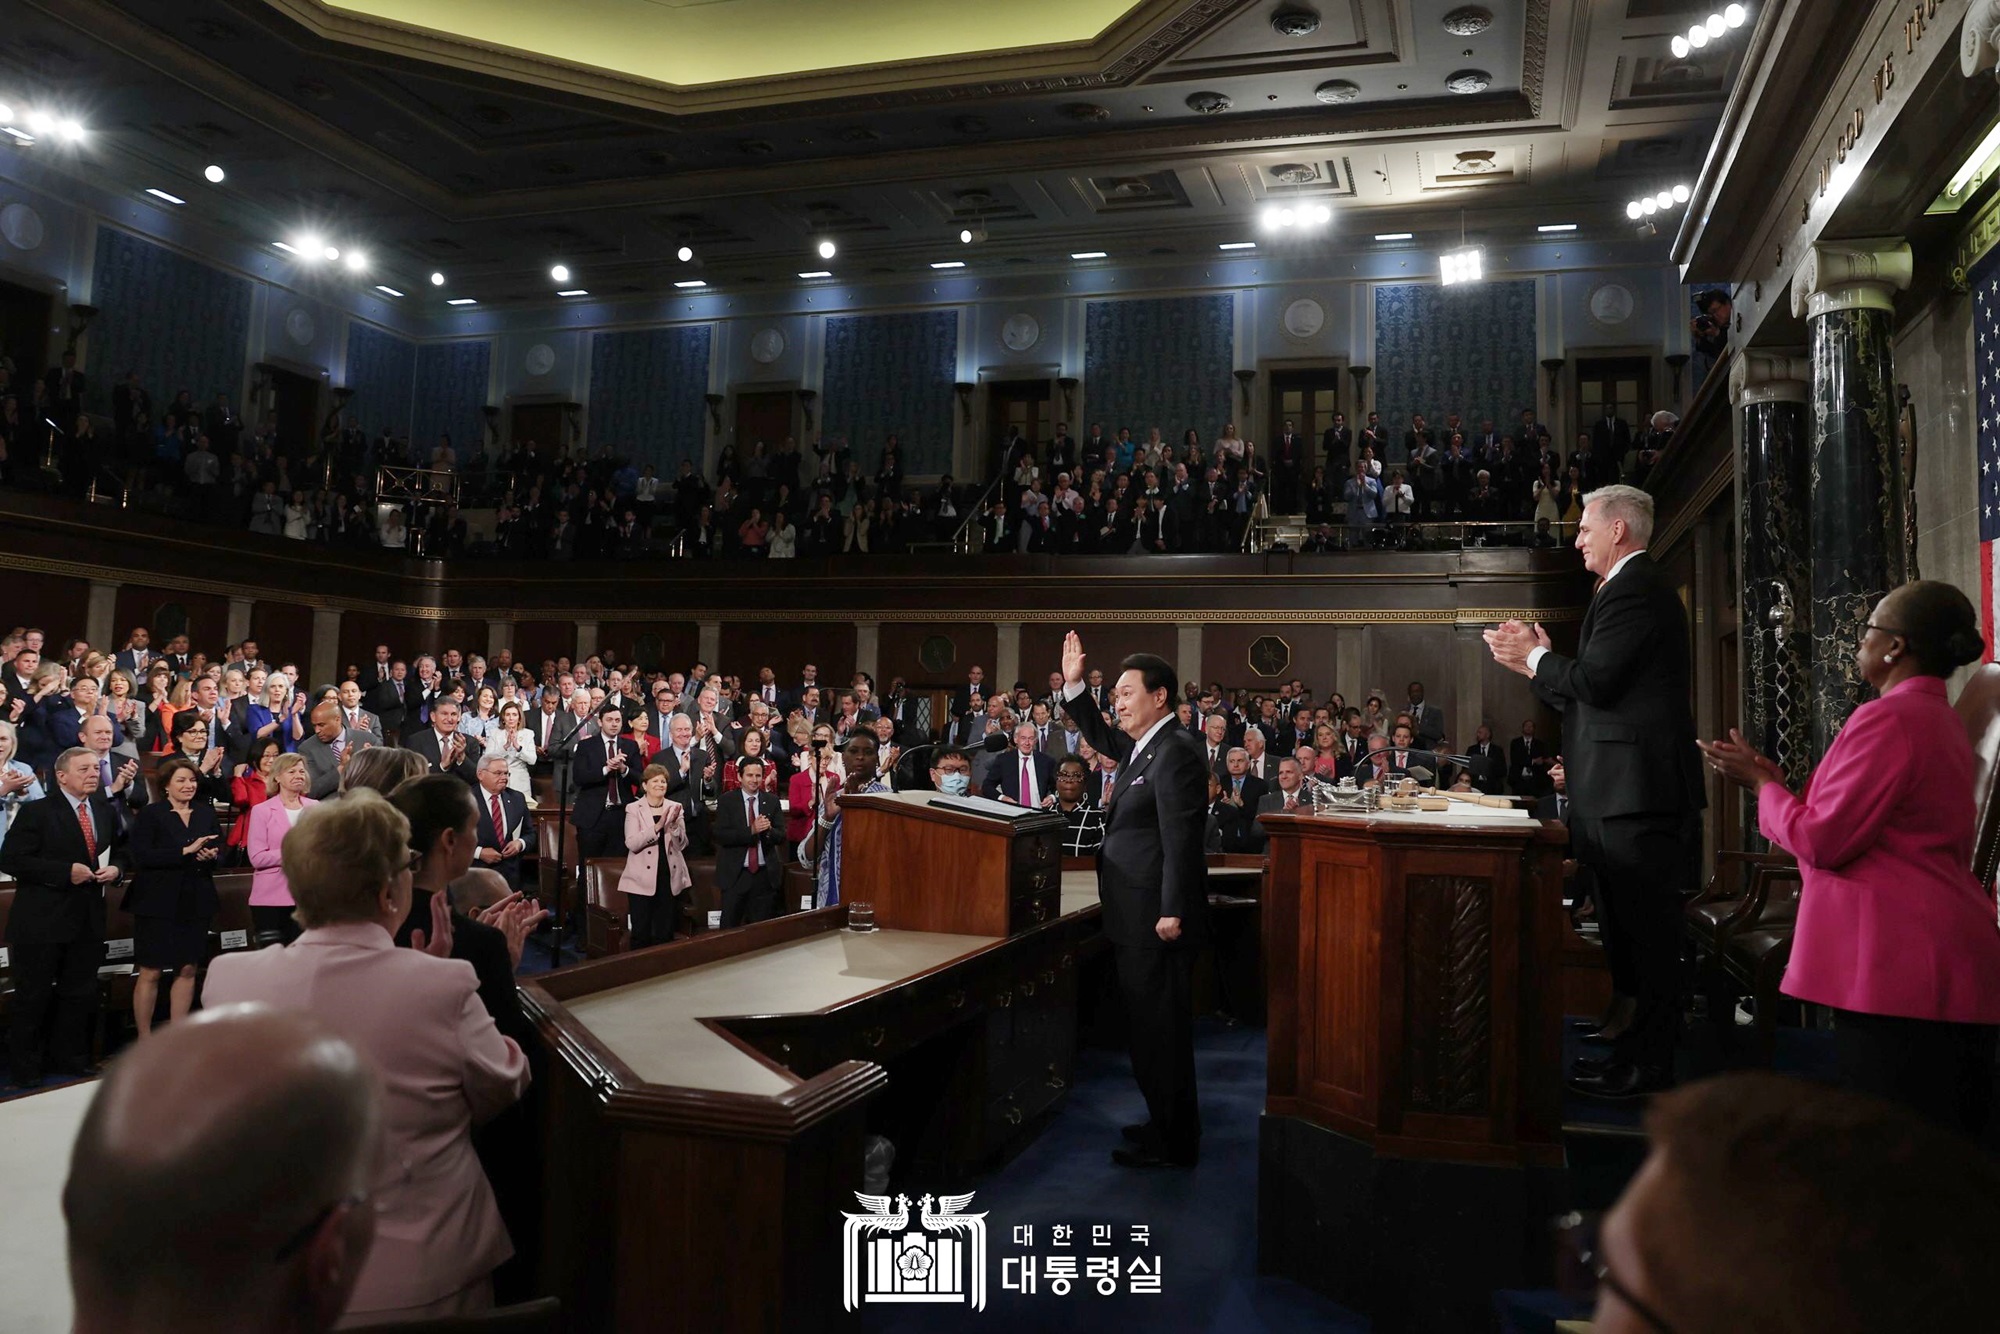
{"x": 477, "y": 890}
{"x": 221, "y": 1179}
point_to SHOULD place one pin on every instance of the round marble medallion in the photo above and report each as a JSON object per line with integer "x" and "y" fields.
{"x": 1021, "y": 332}
{"x": 766, "y": 346}
{"x": 541, "y": 359}
{"x": 1304, "y": 317}
{"x": 1611, "y": 303}
{"x": 299, "y": 326}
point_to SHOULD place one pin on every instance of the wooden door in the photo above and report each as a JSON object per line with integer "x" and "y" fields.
{"x": 25, "y": 319}
{"x": 1017, "y": 405}
{"x": 765, "y": 415}
{"x": 1623, "y": 382}
{"x": 539, "y": 422}
{"x": 297, "y": 410}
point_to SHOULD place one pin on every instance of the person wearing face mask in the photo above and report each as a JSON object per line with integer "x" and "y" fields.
{"x": 1072, "y": 800}
{"x": 951, "y": 772}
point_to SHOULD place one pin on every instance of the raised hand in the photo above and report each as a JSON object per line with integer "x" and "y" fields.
{"x": 438, "y": 943}
{"x": 1072, "y": 658}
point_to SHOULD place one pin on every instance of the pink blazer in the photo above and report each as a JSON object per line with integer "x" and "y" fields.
{"x": 642, "y": 856}
{"x": 444, "y": 1068}
{"x": 268, "y": 827}
{"x": 1891, "y": 920}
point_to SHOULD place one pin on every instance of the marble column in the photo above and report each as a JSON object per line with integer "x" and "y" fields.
{"x": 1846, "y": 294}
{"x": 868, "y": 649}
{"x": 324, "y": 660}
{"x": 708, "y": 642}
{"x": 586, "y": 640}
{"x": 1187, "y": 651}
{"x": 237, "y": 628}
{"x": 1774, "y": 562}
{"x": 100, "y": 616}
{"x": 1006, "y": 656}
{"x": 499, "y": 635}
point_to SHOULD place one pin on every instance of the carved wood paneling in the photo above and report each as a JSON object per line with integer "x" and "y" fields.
{"x": 1447, "y": 1004}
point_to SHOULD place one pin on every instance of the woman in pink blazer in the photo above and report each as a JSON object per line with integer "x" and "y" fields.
{"x": 418, "y": 1018}
{"x": 656, "y": 874}
{"x": 270, "y": 820}
{"x": 1893, "y": 931}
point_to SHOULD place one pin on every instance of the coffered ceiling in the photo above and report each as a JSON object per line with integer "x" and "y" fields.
{"x": 490, "y": 140}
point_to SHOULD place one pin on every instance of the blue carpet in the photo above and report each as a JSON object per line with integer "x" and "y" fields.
{"x": 1203, "y": 1222}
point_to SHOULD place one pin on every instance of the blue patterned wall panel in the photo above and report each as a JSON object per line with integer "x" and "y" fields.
{"x": 1469, "y": 350}
{"x": 179, "y": 323}
{"x": 382, "y": 372}
{"x": 646, "y": 393}
{"x": 1164, "y": 362}
{"x": 895, "y": 373}
{"x": 451, "y": 390}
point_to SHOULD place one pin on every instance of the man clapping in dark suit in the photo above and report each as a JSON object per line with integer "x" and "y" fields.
{"x": 1634, "y": 773}
{"x": 749, "y": 840}
{"x": 1153, "y": 884}
{"x": 449, "y": 750}
{"x": 606, "y": 771}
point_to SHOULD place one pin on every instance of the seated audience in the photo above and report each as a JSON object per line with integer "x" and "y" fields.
{"x": 417, "y": 1015}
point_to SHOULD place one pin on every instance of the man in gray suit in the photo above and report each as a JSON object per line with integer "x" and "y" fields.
{"x": 326, "y": 750}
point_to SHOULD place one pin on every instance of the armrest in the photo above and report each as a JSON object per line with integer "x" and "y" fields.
{"x": 1718, "y": 887}
{"x": 1758, "y": 901}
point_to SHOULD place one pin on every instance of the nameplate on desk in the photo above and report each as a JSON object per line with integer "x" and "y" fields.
{"x": 715, "y": 921}
{"x": 3, "y": 956}
{"x": 118, "y": 949}
{"x": 805, "y": 903}
{"x": 236, "y": 940}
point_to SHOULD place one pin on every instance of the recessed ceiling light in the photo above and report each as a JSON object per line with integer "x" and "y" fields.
{"x": 461, "y": 301}
{"x": 948, "y": 264}
{"x": 287, "y": 249}
{"x": 684, "y": 254}
{"x": 827, "y": 250}
{"x": 560, "y": 273}
{"x": 573, "y": 291}
{"x": 1237, "y": 245}
{"x": 1395, "y": 236}
{"x": 817, "y": 273}
{"x": 162, "y": 194}
{"x": 212, "y": 174}
{"x": 1557, "y": 227}
{"x": 1087, "y": 254}
{"x": 965, "y": 236}
{"x": 381, "y": 287}
{"x": 437, "y": 280}
{"x": 691, "y": 282}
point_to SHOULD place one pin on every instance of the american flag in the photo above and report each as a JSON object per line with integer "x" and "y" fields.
{"x": 1986, "y": 359}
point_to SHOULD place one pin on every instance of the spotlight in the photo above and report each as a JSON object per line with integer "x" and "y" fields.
{"x": 1460, "y": 266}
{"x": 213, "y": 174}
{"x": 1635, "y": 210}
{"x": 827, "y": 250}
{"x": 1716, "y": 25}
{"x": 70, "y": 130}
{"x": 1665, "y": 199}
{"x": 1650, "y": 205}
{"x": 965, "y": 236}
{"x": 437, "y": 280}
{"x": 1322, "y": 214}
{"x": 560, "y": 273}
{"x": 1680, "y": 194}
{"x": 40, "y": 122}
{"x": 1735, "y": 16}
{"x": 1273, "y": 218}
{"x": 333, "y": 252}
{"x": 1286, "y": 217}
{"x": 685, "y": 253}
{"x": 1698, "y": 36}
{"x": 1680, "y": 47}
{"x": 309, "y": 247}
{"x": 357, "y": 261}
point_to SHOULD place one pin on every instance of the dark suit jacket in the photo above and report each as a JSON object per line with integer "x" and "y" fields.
{"x": 1628, "y": 732}
{"x": 688, "y": 787}
{"x": 598, "y": 790}
{"x": 1522, "y": 775}
{"x": 43, "y": 843}
{"x": 383, "y": 701}
{"x": 962, "y": 702}
{"x": 514, "y": 811}
{"x": 425, "y": 743}
{"x": 733, "y": 839}
{"x": 168, "y": 883}
{"x": 1151, "y": 865}
{"x": 1003, "y": 778}
{"x": 234, "y": 715}
{"x": 1486, "y": 774}
{"x": 1254, "y": 789}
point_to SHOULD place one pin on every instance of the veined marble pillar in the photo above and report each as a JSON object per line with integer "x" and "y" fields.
{"x": 1006, "y": 656}
{"x": 100, "y": 617}
{"x": 1775, "y": 554}
{"x": 1846, "y": 294}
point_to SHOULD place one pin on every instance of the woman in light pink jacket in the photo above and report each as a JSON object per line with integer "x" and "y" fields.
{"x": 444, "y": 1066}
{"x": 1894, "y": 933}
{"x": 270, "y": 820}
{"x": 656, "y": 874}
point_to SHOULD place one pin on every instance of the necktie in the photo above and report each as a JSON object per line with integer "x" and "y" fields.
{"x": 89, "y": 834}
{"x": 339, "y": 745}
{"x": 104, "y": 772}
{"x": 1027, "y": 781}
{"x": 750, "y": 862}
{"x": 354, "y": 718}
{"x": 499, "y": 821}
{"x": 1562, "y": 808}
{"x": 610, "y": 749}
{"x": 1291, "y": 800}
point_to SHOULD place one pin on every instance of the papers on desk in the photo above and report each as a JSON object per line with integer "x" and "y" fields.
{"x": 118, "y": 949}
{"x": 999, "y": 810}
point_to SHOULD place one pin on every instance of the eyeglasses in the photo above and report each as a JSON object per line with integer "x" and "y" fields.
{"x": 377, "y": 1193}
{"x": 1581, "y": 1269}
{"x": 1883, "y": 629}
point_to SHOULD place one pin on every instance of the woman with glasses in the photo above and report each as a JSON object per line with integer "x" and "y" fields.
{"x": 248, "y": 789}
{"x": 445, "y": 1066}
{"x": 1894, "y": 932}
{"x": 191, "y": 744}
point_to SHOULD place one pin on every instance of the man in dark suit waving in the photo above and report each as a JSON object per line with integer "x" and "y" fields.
{"x": 1634, "y": 774}
{"x": 1153, "y": 884}
{"x": 64, "y": 850}
{"x": 749, "y": 842}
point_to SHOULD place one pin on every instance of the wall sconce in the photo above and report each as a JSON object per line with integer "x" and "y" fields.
{"x": 1067, "y": 384}
{"x": 1244, "y": 379}
{"x": 714, "y": 402}
{"x": 340, "y": 397}
{"x": 807, "y": 397}
{"x": 492, "y": 415}
{"x": 964, "y": 392}
{"x": 1678, "y": 361}
{"x": 1360, "y": 374}
{"x": 80, "y": 317}
{"x": 573, "y": 418}
{"x": 1554, "y": 366}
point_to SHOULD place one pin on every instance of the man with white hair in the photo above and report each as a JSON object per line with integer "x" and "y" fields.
{"x": 1024, "y": 776}
{"x": 1634, "y": 775}
{"x": 1259, "y": 765}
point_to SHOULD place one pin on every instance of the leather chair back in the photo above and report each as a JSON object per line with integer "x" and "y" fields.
{"x": 1979, "y": 708}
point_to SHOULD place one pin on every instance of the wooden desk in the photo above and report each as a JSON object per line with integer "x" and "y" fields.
{"x": 1412, "y": 1113}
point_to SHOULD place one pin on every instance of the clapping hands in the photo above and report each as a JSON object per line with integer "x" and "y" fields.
{"x": 516, "y": 917}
